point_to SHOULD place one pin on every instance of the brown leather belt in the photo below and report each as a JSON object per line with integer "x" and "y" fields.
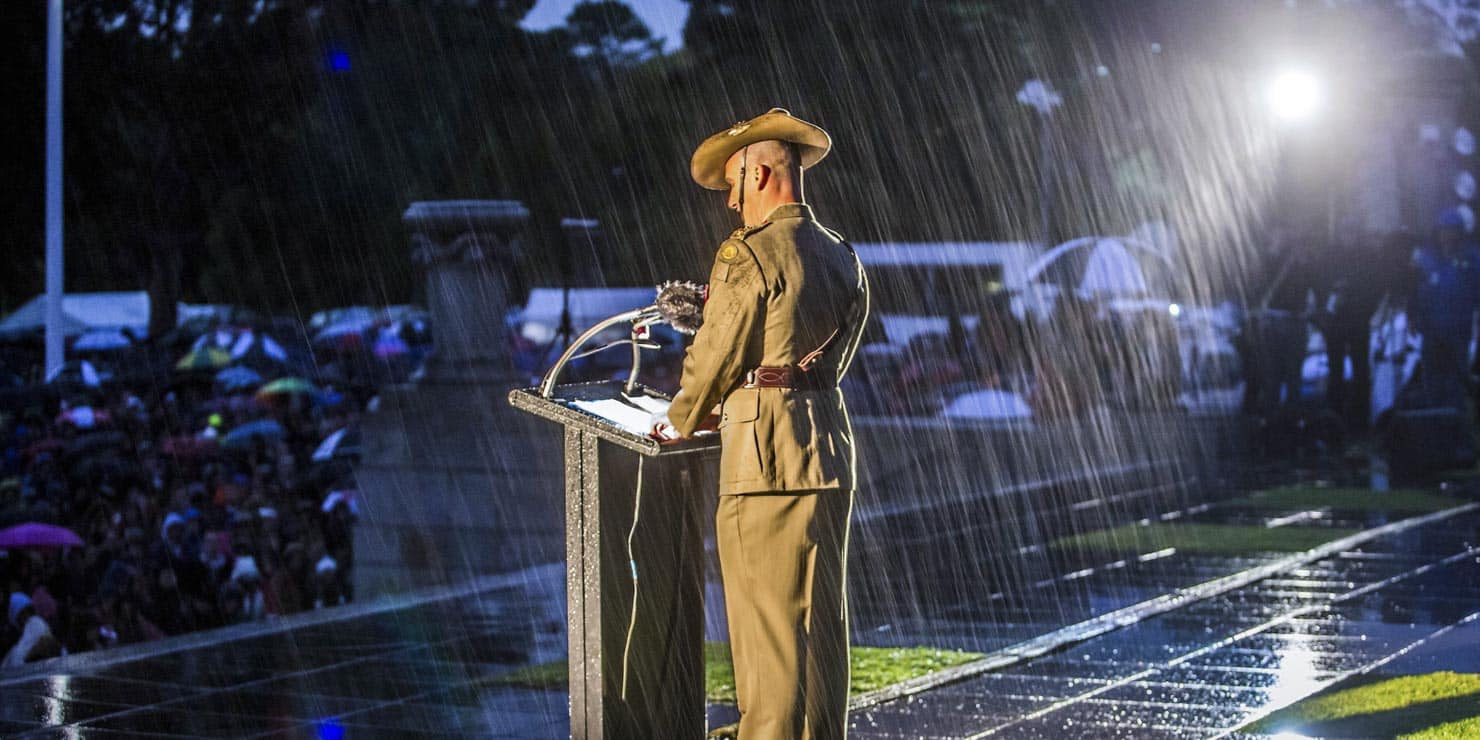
{"x": 789, "y": 377}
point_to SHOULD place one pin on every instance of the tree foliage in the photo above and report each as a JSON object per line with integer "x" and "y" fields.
{"x": 263, "y": 152}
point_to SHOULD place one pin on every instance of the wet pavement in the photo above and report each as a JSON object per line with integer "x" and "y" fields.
{"x": 431, "y": 665}
{"x": 1207, "y": 669}
{"x": 417, "y": 666}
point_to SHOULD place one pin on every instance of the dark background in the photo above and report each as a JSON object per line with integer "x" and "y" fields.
{"x": 263, "y": 155}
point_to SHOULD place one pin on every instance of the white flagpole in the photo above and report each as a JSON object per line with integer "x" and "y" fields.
{"x": 54, "y": 348}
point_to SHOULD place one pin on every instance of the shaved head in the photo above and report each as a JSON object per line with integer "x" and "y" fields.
{"x": 780, "y": 156}
{"x": 773, "y": 175}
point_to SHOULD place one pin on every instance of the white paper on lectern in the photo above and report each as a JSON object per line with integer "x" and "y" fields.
{"x": 649, "y": 404}
{"x": 629, "y": 418}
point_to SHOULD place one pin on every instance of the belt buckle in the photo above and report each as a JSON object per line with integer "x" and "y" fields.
{"x": 773, "y": 377}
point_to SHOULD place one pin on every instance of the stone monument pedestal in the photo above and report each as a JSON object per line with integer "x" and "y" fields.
{"x": 453, "y": 482}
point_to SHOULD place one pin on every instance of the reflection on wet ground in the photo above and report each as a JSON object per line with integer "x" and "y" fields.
{"x": 431, "y": 668}
{"x": 1218, "y": 664}
{"x": 423, "y": 667}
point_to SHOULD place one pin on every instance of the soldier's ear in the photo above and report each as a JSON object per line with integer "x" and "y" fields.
{"x": 762, "y": 176}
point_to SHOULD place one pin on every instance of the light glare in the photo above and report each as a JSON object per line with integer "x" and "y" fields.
{"x": 1294, "y": 95}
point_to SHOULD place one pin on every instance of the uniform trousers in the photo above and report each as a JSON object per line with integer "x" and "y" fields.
{"x": 783, "y": 562}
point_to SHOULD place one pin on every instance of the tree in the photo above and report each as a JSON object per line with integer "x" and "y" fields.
{"x": 608, "y": 31}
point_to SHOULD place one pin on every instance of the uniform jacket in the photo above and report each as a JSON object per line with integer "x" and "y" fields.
{"x": 777, "y": 292}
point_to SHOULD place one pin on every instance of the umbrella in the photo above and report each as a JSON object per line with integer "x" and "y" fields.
{"x": 205, "y": 358}
{"x": 249, "y": 341}
{"x": 342, "y": 443}
{"x": 330, "y": 399}
{"x": 347, "y": 497}
{"x": 238, "y": 378}
{"x": 101, "y": 340}
{"x": 34, "y": 534}
{"x": 242, "y": 435}
{"x": 286, "y": 386}
{"x": 1117, "y": 267}
{"x": 344, "y": 334}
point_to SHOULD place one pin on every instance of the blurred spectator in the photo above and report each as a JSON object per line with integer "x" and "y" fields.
{"x": 999, "y": 349}
{"x": 1442, "y": 311}
{"x": 1275, "y": 333}
{"x": 35, "y": 641}
{"x": 1357, "y": 284}
{"x": 244, "y": 591}
{"x": 1068, "y": 366}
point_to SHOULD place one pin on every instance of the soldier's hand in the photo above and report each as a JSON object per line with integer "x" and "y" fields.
{"x": 662, "y": 429}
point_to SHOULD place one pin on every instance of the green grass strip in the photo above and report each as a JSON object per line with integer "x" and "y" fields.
{"x": 1305, "y": 498}
{"x": 1222, "y": 539}
{"x": 873, "y": 668}
{"x": 1429, "y": 706}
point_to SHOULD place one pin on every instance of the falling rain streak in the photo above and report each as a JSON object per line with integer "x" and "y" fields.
{"x": 387, "y": 216}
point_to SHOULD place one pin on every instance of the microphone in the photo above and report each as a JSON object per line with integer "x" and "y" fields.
{"x": 681, "y": 304}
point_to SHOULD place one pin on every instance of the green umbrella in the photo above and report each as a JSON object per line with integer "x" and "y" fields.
{"x": 205, "y": 358}
{"x": 285, "y": 387}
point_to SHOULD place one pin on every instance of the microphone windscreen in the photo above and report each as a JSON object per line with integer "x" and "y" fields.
{"x": 682, "y": 305}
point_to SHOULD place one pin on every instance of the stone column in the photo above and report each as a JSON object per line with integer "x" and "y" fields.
{"x": 468, "y": 252}
{"x": 453, "y": 482}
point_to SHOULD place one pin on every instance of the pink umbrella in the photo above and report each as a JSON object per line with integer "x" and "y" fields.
{"x": 34, "y": 534}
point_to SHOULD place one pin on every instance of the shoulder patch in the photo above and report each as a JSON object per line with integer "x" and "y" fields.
{"x": 729, "y": 253}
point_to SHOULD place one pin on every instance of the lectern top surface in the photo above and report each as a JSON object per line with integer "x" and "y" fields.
{"x": 606, "y": 409}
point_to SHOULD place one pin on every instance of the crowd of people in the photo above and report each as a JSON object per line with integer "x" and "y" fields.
{"x": 188, "y": 523}
{"x": 1342, "y": 289}
{"x": 184, "y": 526}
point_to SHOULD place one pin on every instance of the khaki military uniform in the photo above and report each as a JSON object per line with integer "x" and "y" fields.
{"x": 779, "y": 291}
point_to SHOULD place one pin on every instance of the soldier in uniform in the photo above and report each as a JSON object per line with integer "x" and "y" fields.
{"x": 786, "y": 309}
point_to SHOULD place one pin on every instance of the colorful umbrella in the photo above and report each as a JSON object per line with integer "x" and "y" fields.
{"x": 34, "y": 534}
{"x": 286, "y": 386}
{"x": 205, "y": 358}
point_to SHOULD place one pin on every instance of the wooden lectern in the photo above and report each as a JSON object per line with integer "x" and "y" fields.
{"x": 642, "y": 675}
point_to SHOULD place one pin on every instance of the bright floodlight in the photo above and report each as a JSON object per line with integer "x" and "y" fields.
{"x": 1294, "y": 95}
